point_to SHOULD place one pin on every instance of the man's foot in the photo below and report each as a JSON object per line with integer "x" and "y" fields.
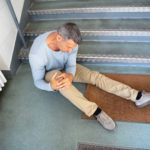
{"x": 144, "y": 100}
{"x": 106, "y": 121}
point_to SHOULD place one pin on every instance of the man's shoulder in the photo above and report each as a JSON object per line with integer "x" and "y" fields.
{"x": 38, "y": 45}
{"x": 38, "y": 48}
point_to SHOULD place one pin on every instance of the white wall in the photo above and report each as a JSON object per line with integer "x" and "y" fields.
{"x": 8, "y": 31}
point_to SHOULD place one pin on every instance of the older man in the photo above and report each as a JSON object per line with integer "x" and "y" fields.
{"x": 53, "y": 63}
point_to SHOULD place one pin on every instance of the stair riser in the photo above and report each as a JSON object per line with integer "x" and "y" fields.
{"x": 108, "y": 2}
{"x": 117, "y": 68}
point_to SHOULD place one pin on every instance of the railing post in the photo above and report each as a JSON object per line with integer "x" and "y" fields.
{"x": 16, "y": 22}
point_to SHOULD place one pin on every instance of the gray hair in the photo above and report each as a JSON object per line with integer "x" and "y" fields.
{"x": 70, "y": 31}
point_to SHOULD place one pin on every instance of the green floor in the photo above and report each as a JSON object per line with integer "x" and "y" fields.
{"x": 31, "y": 119}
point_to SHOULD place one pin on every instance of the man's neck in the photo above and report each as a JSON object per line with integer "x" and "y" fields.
{"x": 52, "y": 42}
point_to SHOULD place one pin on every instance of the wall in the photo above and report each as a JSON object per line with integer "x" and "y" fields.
{"x": 8, "y": 31}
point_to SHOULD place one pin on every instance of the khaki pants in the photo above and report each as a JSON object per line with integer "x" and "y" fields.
{"x": 84, "y": 75}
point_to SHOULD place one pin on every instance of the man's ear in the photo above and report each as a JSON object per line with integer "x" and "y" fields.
{"x": 59, "y": 37}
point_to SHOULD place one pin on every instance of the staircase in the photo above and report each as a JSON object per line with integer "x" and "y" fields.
{"x": 116, "y": 33}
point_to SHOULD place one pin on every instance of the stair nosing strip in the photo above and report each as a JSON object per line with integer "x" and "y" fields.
{"x": 112, "y": 58}
{"x": 90, "y": 9}
{"x": 103, "y": 57}
{"x": 101, "y": 33}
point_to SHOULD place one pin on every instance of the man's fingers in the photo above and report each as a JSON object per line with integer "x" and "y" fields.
{"x": 62, "y": 82}
{"x": 61, "y": 85}
{"x": 62, "y": 75}
{"x": 59, "y": 80}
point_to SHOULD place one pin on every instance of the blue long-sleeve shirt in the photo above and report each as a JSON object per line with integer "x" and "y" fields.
{"x": 42, "y": 59}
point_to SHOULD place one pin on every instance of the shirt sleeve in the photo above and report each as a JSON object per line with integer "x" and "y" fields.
{"x": 38, "y": 73}
{"x": 70, "y": 66}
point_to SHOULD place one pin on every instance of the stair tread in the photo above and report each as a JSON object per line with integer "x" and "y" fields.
{"x": 91, "y": 25}
{"x": 122, "y": 49}
{"x": 88, "y": 4}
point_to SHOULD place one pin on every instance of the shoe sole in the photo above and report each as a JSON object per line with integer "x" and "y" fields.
{"x": 106, "y": 127}
{"x": 111, "y": 129}
{"x": 140, "y": 106}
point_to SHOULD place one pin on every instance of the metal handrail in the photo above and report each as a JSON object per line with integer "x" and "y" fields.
{"x": 16, "y": 22}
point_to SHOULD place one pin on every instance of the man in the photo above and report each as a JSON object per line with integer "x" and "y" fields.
{"x": 53, "y": 63}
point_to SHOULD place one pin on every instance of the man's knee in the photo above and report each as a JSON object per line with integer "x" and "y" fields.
{"x": 49, "y": 75}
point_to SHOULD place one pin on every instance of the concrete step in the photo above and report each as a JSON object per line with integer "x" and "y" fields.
{"x": 110, "y": 52}
{"x": 90, "y": 9}
{"x": 98, "y": 29}
{"x": 110, "y": 48}
{"x": 105, "y": 67}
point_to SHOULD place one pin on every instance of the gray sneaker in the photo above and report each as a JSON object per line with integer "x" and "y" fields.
{"x": 106, "y": 121}
{"x": 144, "y": 100}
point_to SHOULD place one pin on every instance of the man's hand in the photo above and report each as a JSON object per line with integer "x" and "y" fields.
{"x": 62, "y": 81}
{"x": 54, "y": 81}
{"x": 65, "y": 82}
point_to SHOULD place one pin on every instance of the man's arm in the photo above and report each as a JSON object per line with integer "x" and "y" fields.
{"x": 38, "y": 73}
{"x": 70, "y": 69}
{"x": 70, "y": 66}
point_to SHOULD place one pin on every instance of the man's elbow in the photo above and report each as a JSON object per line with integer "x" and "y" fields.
{"x": 36, "y": 85}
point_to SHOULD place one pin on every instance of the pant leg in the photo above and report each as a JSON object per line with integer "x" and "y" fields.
{"x": 85, "y": 75}
{"x": 75, "y": 96}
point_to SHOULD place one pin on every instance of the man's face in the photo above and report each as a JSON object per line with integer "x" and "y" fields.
{"x": 67, "y": 45}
